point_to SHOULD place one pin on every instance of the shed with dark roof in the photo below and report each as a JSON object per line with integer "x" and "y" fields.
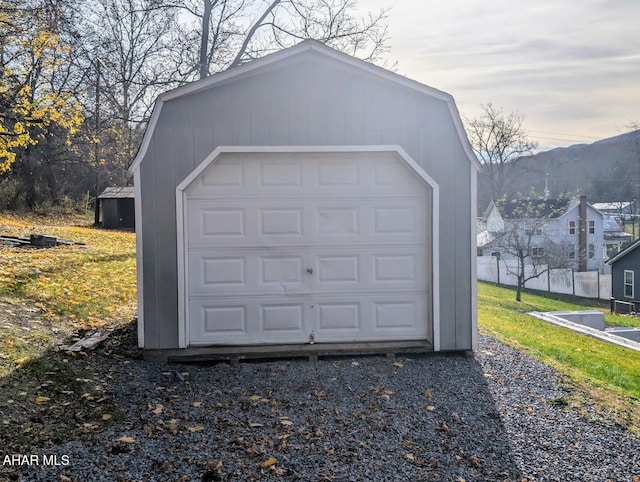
{"x": 116, "y": 208}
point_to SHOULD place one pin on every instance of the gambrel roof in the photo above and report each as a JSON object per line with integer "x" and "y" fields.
{"x": 294, "y": 54}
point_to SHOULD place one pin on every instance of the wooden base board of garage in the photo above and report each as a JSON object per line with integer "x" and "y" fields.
{"x": 237, "y": 353}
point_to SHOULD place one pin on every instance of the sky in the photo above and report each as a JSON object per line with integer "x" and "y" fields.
{"x": 571, "y": 68}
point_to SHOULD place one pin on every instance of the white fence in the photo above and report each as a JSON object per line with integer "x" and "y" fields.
{"x": 589, "y": 284}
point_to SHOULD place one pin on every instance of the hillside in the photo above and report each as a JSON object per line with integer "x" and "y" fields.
{"x": 607, "y": 170}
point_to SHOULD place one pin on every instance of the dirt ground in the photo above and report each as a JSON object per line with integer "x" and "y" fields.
{"x": 54, "y": 396}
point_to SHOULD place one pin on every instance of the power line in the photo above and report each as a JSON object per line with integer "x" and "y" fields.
{"x": 565, "y": 137}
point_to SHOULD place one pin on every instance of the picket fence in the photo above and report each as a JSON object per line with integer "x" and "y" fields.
{"x": 589, "y": 284}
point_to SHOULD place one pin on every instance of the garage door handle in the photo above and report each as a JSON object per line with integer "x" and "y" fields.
{"x": 310, "y": 270}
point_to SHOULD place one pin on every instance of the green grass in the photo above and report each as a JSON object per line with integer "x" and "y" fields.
{"x": 608, "y": 373}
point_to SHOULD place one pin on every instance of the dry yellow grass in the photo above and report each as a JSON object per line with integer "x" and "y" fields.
{"x": 62, "y": 290}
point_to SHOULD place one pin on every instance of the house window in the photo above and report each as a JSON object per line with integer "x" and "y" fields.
{"x": 572, "y": 227}
{"x": 531, "y": 231}
{"x": 628, "y": 284}
{"x": 592, "y": 227}
{"x": 592, "y": 251}
{"x": 496, "y": 254}
{"x": 537, "y": 252}
{"x": 571, "y": 252}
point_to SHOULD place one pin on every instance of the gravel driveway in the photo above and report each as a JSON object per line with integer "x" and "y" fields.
{"x": 499, "y": 416}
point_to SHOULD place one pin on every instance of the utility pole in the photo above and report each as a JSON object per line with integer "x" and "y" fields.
{"x": 96, "y": 142}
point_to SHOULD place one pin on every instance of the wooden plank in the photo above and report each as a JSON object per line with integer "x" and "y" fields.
{"x": 309, "y": 351}
{"x": 88, "y": 343}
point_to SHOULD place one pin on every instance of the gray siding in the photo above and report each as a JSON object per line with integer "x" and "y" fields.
{"x": 631, "y": 262}
{"x": 315, "y": 101}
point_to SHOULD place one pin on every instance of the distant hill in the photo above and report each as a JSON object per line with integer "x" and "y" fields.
{"x": 607, "y": 170}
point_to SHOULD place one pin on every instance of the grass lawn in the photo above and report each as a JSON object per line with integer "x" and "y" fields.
{"x": 607, "y": 373}
{"x": 74, "y": 288}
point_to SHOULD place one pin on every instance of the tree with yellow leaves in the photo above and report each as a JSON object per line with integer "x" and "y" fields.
{"x": 32, "y": 101}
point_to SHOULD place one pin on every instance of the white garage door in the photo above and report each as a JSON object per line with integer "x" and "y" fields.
{"x": 294, "y": 247}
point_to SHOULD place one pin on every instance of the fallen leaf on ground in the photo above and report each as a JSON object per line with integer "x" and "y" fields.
{"x": 196, "y": 404}
{"x": 42, "y": 399}
{"x": 430, "y": 408}
{"x": 173, "y": 425}
{"x": 255, "y": 398}
{"x": 126, "y": 439}
{"x": 398, "y": 364}
{"x": 427, "y": 393}
{"x": 285, "y": 421}
{"x": 106, "y": 416}
{"x": 158, "y": 409}
{"x": 21, "y": 361}
{"x": 196, "y": 428}
{"x": 269, "y": 462}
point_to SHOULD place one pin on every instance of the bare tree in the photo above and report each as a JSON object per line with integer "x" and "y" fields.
{"x": 500, "y": 141}
{"x": 526, "y": 239}
{"x": 127, "y": 44}
{"x": 230, "y": 32}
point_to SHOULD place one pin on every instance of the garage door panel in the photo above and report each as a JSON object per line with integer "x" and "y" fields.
{"x": 337, "y": 221}
{"x": 242, "y": 175}
{"x": 370, "y": 317}
{"x": 225, "y": 271}
{"x": 395, "y": 267}
{"x": 226, "y": 176}
{"x": 280, "y": 174}
{"x": 247, "y": 320}
{"x": 280, "y": 221}
{"x": 224, "y": 319}
{"x": 396, "y": 314}
{"x": 390, "y": 177}
{"x": 282, "y": 317}
{"x": 399, "y": 220}
{"x": 367, "y": 268}
{"x": 338, "y": 269}
{"x": 246, "y": 271}
{"x": 369, "y": 221}
{"x": 283, "y": 246}
{"x": 339, "y": 316}
{"x": 311, "y": 221}
{"x": 281, "y": 269}
{"x": 208, "y": 225}
{"x": 340, "y": 174}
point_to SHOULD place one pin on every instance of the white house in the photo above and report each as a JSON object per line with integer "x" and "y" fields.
{"x": 547, "y": 224}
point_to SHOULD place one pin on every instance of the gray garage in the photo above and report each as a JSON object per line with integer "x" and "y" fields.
{"x": 307, "y": 198}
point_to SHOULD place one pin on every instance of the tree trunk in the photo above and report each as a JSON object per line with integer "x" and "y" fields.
{"x": 520, "y": 276}
{"x": 203, "y": 66}
{"x": 252, "y": 32}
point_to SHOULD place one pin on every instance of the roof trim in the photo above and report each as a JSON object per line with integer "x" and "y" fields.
{"x": 218, "y": 151}
{"x": 624, "y": 252}
{"x": 304, "y": 46}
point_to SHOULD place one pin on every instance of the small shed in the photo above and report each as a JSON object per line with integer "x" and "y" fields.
{"x": 303, "y": 200}
{"x": 115, "y": 208}
{"x": 625, "y": 279}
